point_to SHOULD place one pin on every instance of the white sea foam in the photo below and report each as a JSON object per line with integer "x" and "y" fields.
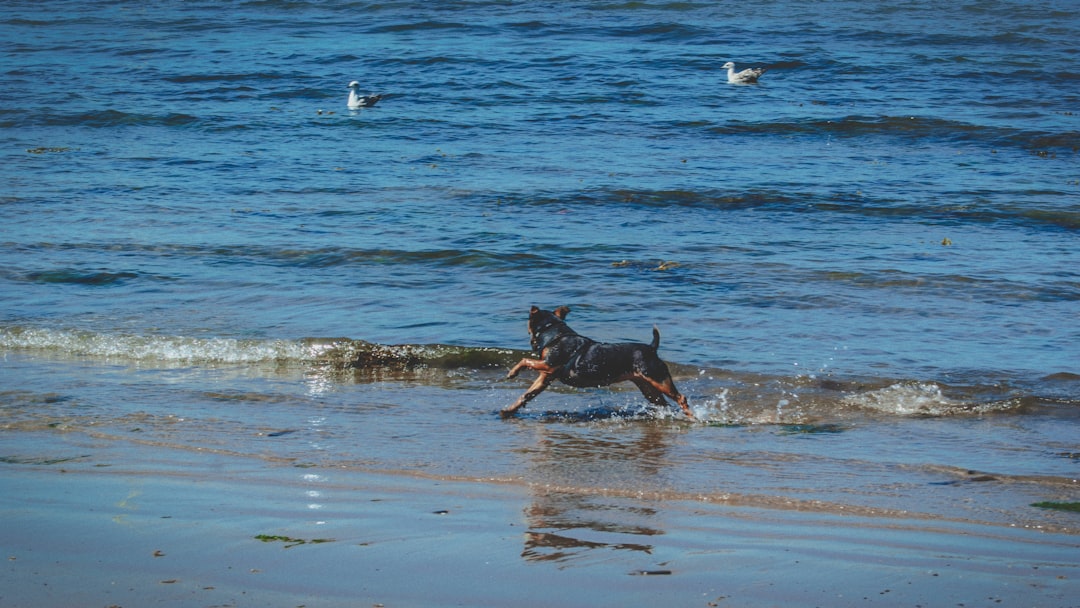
{"x": 906, "y": 399}
{"x": 158, "y": 348}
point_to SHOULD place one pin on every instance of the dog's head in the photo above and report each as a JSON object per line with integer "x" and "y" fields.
{"x": 546, "y": 325}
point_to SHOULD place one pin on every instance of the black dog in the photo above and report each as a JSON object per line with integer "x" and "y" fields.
{"x": 579, "y": 361}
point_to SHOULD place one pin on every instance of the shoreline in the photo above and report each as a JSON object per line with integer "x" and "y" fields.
{"x": 220, "y": 533}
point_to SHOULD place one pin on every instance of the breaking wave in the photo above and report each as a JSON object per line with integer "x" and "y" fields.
{"x": 719, "y": 396}
{"x": 337, "y": 352}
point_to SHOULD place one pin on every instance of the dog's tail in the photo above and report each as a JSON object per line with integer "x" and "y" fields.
{"x": 655, "y": 338}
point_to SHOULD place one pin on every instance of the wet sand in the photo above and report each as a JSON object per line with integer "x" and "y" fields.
{"x": 204, "y": 529}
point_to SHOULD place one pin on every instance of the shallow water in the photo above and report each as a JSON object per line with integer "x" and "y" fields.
{"x": 942, "y": 461}
{"x": 863, "y": 269}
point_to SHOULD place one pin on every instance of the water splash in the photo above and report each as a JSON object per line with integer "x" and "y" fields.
{"x": 904, "y": 399}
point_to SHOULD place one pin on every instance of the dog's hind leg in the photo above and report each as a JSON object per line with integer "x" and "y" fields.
{"x": 670, "y": 390}
{"x": 651, "y": 393}
{"x": 654, "y": 391}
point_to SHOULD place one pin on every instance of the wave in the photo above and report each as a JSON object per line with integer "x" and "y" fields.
{"x": 107, "y": 119}
{"x": 661, "y": 32}
{"x": 802, "y": 404}
{"x": 229, "y": 77}
{"x": 162, "y": 349}
{"x": 97, "y": 119}
{"x": 907, "y": 127}
{"x": 423, "y": 26}
{"x": 793, "y": 200}
{"x": 343, "y": 353}
{"x": 77, "y": 277}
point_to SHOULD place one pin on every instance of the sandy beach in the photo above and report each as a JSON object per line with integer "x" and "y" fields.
{"x": 202, "y": 529}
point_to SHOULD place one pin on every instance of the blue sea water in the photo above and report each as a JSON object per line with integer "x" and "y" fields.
{"x": 874, "y": 248}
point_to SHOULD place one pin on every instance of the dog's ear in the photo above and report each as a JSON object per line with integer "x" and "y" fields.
{"x": 561, "y": 312}
{"x": 533, "y": 310}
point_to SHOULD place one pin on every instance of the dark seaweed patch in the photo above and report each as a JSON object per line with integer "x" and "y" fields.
{"x": 290, "y": 541}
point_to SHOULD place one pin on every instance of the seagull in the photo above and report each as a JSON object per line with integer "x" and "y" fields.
{"x": 357, "y": 101}
{"x": 747, "y": 76}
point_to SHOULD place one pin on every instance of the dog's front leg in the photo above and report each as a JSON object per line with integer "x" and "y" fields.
{"x": 542, "y": 382}
{"x": 537, "y": 364}
{"x": 514, "y": 371}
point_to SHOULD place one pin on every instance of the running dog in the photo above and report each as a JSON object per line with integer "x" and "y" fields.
{"x": 578, "y": 361}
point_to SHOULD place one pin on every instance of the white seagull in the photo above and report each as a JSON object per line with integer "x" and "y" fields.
{"x": 747, "y": 76}
{"x": 357, "y": 101}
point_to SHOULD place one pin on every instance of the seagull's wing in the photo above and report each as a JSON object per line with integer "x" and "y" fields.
{"x": 750, "y": 74}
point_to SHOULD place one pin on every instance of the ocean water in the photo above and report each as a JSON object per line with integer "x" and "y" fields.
{"x": 865, "y": 269}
